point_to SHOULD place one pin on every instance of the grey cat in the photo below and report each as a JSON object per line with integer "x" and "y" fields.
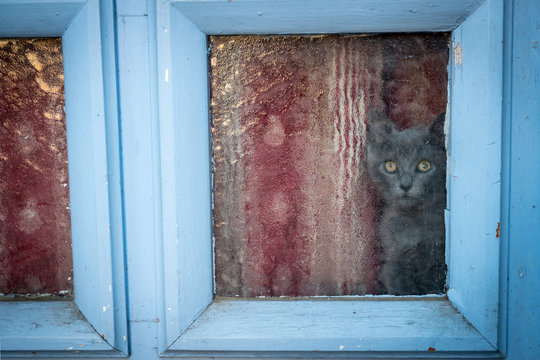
{"x": 408, "y": 169}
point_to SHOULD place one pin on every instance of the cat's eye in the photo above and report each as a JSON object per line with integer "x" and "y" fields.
{"x": 390, "y": 166}
{"x": 424, "y": 165}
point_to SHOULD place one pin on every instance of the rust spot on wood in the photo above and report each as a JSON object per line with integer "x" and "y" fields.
{"x": 498, "y": 230}
{"x": 431, "y": 349}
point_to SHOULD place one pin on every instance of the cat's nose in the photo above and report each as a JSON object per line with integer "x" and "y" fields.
{"x": 405, "y": 182}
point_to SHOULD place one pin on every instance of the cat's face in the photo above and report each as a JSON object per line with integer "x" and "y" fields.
{"x": 408, "y": 167}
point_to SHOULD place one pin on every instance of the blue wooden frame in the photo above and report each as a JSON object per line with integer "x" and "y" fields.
{"x": 137, "y": 67}
{"x": 94, "y": 324}
{"x": 193, "y": 324}
{"x": 520, "y": 222}
{"x": 474, "y": 200}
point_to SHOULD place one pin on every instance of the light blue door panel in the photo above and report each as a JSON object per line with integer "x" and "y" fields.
{"x": 137, "y": 117}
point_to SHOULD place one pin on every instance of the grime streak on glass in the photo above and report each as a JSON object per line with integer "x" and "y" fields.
{"x": 35, "y": 235}
{"x": 295, "y": 213}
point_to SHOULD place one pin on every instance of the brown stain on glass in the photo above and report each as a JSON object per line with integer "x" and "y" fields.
{"x": 294, "y": 211}
{"x": 35, "y": 234}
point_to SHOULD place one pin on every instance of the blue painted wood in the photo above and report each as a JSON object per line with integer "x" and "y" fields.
{"x": 162, "y": 260}
{"x": 114, "y": 172}
{"x": 523, "y": 226}
{"x": 137, "y": 162}
{"x": 87, "y": 170}
{"x": 319, "y": 16}
{"x": 181, "y": 56}
{"x": 337, "y": 325}
{"x": 475, "y": 167}
{"x": 93, "y": 153}
{"x": 505, "y": 178}
{"x": 86, "y": 123}
{"x": 168, "y": 311}
{"x": 140, "y": 158}
{"x": 132, "y": 8}
{"x": 41, "y": 326}
{"x": 192, "y": 170}
{"x": 37, "y": 18}
{"x": 185, "y": 170}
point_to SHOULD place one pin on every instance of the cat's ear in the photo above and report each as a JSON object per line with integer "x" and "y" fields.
{"x": 436, "y": 130}
{"x": 379, "y": 126}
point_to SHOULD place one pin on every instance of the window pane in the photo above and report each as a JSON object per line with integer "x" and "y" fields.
{"x": 297, "y": 209}
{"x": 35, "y": 237}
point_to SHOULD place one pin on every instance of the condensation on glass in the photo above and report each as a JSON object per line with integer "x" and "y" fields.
{"x": 328, "y": 164}
{"x": 35, "y": 233}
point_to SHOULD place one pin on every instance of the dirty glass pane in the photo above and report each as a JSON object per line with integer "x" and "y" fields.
{"x": 329, "y": 164}
{"x": 35, "y": 237}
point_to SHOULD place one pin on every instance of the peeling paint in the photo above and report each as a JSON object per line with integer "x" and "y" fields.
{"x": 458, "y": 54}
